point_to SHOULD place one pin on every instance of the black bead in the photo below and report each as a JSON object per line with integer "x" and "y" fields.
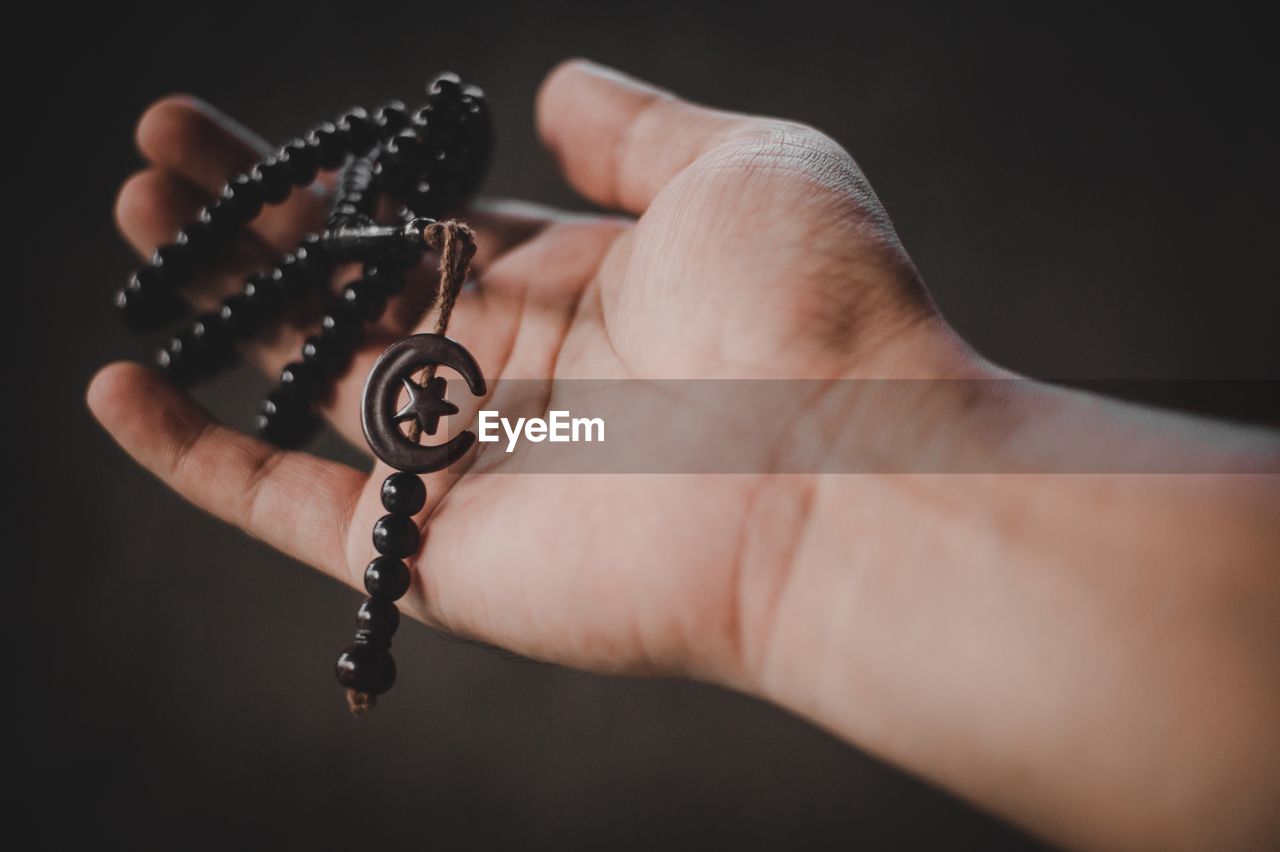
{"x": 360, "y": 131}
{"x": 221, "y": 220}
{"x": 200, "y": 239}
{"x": 423, "y": 199}
{"x": 312, "y": 251}
{"x": 391, "y": 118}
{"x": 403, "y": 494}
{"x": 240, "y": 316}
{"x": 405, "y": 154}
{"x": 366, "y": 668}
{"x": 174, "y": 263}
{"x": 473, "y": 113}
{"x": 343, "y": 326}
{"x": 387, "y": 578}
{"x": 144, "y": 303}
{"x": 439, "y": 200}
{"x": 281, "y": 403}
{"x": 295, "y": 276}
{"x": 364, "y": 299}
{"x": 377, "y": 620}
{"x": 263, "y": 293}
{"x": 285, "y": 420}
{"x": 435, "y": 130}
{"x": 300, "y": 380}
{"x": 182, "y": 359}
{"x": 303, "y": 161}
{"x": 424, "y": 116}
{"x": 173, "y": 358}
{"x": 209, "y": 334}
{"x": 330, "y": 146}
{"x": 396, "y": 535}
{"x": 328, "y": 354}
{"x": 196, "y": 350}
{"x": 274, "y": 281}
{"x": 389, "y": 278}
{"x": 242, "y": 197}
{"x": 445, "y": 88}
{"x": 274, "y": 180}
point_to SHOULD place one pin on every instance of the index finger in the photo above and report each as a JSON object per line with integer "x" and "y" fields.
{"x": 196, "y": 142}
{"x": 297, "y": 503}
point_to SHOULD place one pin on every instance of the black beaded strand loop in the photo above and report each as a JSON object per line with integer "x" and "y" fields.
{"x": 428, "y": 161}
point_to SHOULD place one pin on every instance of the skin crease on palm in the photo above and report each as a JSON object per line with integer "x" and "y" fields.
{"x": 746, "y": 247}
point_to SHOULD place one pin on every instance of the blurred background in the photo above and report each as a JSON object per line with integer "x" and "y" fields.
{"x": 1090, "y": 194}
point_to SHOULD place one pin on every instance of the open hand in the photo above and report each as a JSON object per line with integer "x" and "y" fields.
{"x": 759, "y": 250}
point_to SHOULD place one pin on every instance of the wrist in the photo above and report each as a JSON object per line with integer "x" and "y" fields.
{"x": 982, "y": 629}
{"x": 809, "y": 533}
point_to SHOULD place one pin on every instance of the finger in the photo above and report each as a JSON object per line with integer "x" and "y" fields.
{"x": 501, "y": 224}
{"x": 152, "y": 205}
{"x": 297, "y": 503}
{"x": 200, "y": 144}
{"x": 620, "y": 141}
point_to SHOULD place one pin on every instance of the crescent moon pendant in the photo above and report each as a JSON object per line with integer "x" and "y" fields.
{"x": 382, "y": 389}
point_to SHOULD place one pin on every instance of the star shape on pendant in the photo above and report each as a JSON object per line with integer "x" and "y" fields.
{"x": 426, "y": 404}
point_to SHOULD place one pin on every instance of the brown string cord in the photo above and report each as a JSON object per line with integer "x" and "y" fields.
{"x": 456, "y": 244}
{"x": 360, "y": 703}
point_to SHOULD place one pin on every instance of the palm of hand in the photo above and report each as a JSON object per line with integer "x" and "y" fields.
{"x": 759, "y": 251}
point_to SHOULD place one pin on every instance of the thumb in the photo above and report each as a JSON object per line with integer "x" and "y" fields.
{"x": 620, "y": 141}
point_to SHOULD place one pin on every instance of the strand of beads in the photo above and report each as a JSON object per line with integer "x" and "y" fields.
{"x": 150, "y": 298}
{"x": 440, "y": 157}
{"x": 450, "y": 134}
{"x": 365, "y": 667}
{"x": 285, "y": 416}
{"x": 207, "y": 343}
{"x": 436, "y": 158}
{"x": 356, "y": 194}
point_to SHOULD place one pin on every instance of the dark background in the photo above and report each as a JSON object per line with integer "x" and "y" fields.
{"x": 1089, "y": 193}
